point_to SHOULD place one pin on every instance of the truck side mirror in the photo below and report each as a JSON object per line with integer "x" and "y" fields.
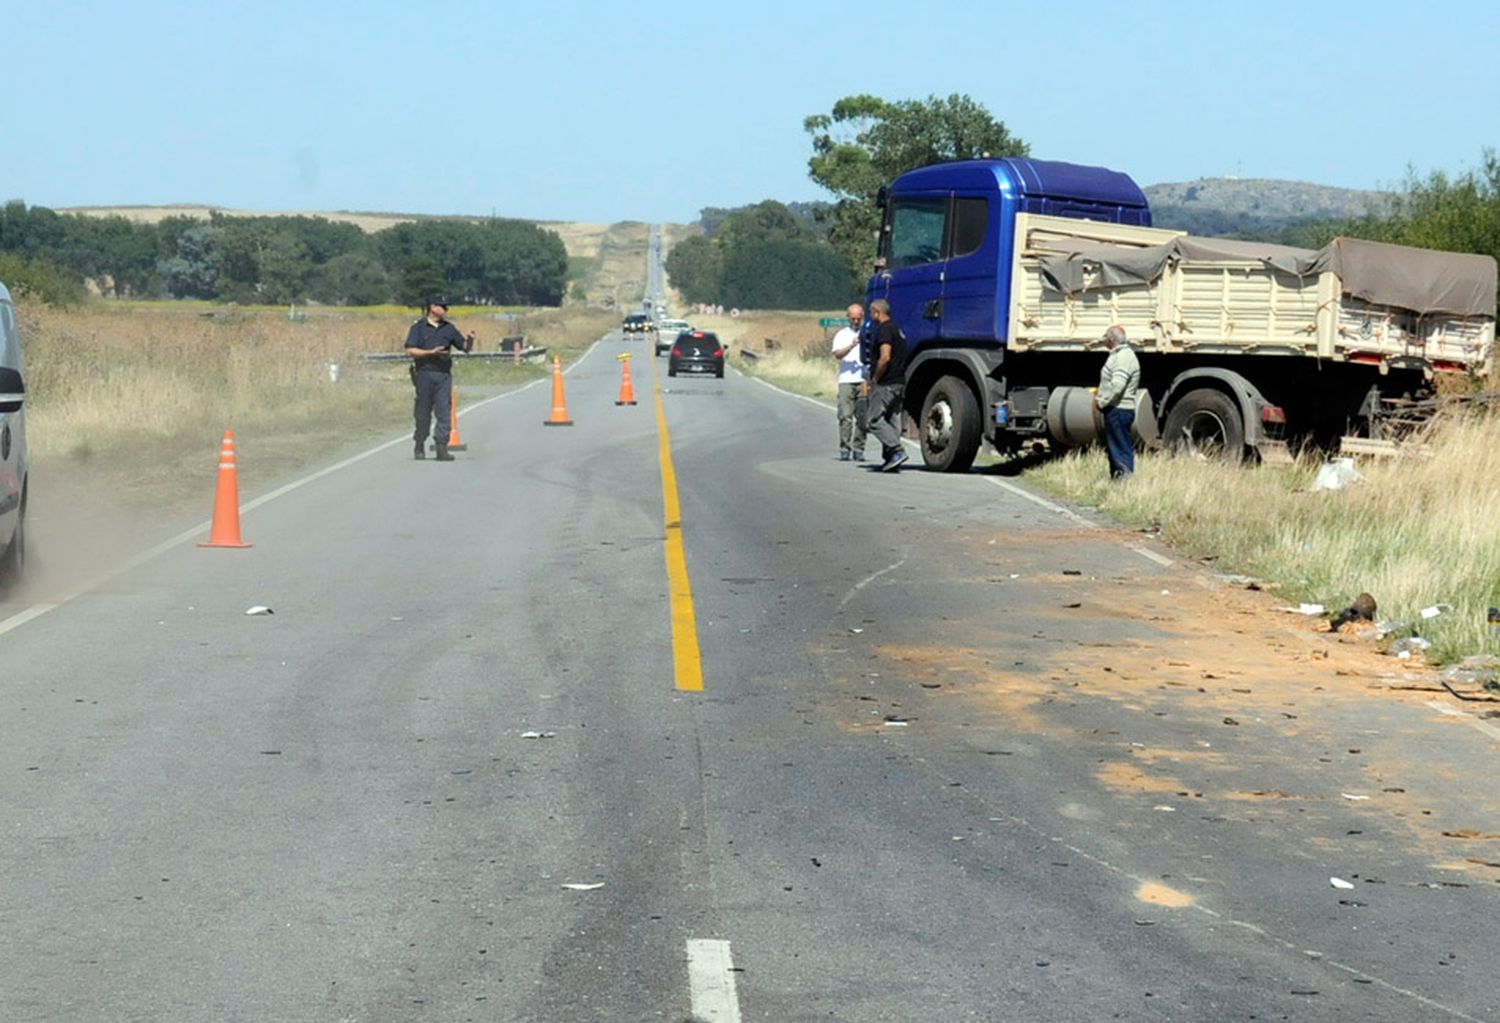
{"x": 882, "y": 196}
{"x": 12, "y": 390}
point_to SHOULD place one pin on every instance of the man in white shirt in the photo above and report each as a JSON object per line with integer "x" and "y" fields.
{"x": 853, "y": 389}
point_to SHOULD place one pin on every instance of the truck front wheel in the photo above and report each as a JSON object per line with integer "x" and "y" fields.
{"x": 951, "y": 426}
{"x": 1206, "y": 424}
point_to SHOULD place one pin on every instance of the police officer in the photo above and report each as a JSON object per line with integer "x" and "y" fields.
{"x": 429, "y": 343}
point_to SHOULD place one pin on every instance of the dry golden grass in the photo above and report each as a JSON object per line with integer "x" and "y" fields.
{"x": 139, "y": 397}
{"x": 792, "y": 351}
{"x": 1423, "y": 531}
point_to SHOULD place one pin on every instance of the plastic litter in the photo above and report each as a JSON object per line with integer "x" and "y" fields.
{"x": 1404, "y": 648}
{"x": 1307, "y": 609}
{"x": 574, "y": 886}
{"x": 1432, "y": 612}
{"x": 1336, "y": 475}
{"x": 1350, "y": 795}
{"x": 538, "y": 735}
{"x": 1339, "y": 882}
{"x": 259, "y": 609}
{"x": 1478, "y": 669}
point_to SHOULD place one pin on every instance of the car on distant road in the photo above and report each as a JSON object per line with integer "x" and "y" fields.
{"x": 696, "y": 351}
{"x": 667, "y": 331}
{"x": 13, "y": 462}
{"x": 637, "y": 323}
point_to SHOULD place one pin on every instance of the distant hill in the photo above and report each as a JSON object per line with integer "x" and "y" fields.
{"x": 1255, "y": 206}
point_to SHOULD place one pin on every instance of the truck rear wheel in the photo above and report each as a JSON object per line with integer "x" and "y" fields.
{"x": 951, "y": 426}
{"x": 1206, "y": 424}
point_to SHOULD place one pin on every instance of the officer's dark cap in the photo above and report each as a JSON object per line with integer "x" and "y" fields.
{"x": 441, "y": 300}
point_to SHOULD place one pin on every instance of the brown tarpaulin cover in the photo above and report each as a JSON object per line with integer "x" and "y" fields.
{"x": 1422, "y": 280}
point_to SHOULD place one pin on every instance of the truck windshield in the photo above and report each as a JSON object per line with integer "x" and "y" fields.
{"x": 917, "y": 230}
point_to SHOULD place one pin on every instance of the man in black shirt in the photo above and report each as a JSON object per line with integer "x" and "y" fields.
{"x": 887, "y": 385}
{"x": 429, "y": 343}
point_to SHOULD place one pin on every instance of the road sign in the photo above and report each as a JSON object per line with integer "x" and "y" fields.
{"x": 833, "y": 321}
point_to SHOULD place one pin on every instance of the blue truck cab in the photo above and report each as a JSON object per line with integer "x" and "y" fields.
{"x": 944, "y": 261}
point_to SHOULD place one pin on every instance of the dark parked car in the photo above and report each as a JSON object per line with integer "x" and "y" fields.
{"x": 637, "y": 323}
{"x": 696, "y": 352}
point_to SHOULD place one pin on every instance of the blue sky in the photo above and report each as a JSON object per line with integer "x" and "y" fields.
{"x": 648, "y": 111}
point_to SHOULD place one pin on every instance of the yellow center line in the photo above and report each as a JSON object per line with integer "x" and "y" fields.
{"x": 687, "y": 661}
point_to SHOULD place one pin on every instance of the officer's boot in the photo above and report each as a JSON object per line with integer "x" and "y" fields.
{"x": 442, "y": 453}
{"x": 420, "y": 451}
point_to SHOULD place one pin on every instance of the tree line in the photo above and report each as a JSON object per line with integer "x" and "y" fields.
{"x": 817, "y": 255}
{"x": 761, "y": 257}
{"x": 282, "y": 259}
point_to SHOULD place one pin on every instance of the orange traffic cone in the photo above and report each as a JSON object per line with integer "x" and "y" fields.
{"x": 627, "y": 390}
{"x": 559, "y": 416}
{"x": 226, "y": 524}
{"x": 454, "y": 444}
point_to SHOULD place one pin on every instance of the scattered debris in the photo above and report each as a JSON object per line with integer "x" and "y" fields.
{"x": 538, "y": 735}
{"x": 259, "y": 609}
{"x": 1304, "y": 609}
{"x": 855, "y": 632}
{"x": 1337, "y": 474}
{"x": 1362, "y": 609}
{"x": 574, "y": 886}
{"x": 896, "y": 721}
{"x": 1468, "y": 698}
{"x": 1404, "y": 648}
{"x": 1339, "y": 882}
{"x": 1432, "y": 612}
{"x": 1350, "y": 795}
{"x": 1230, "y": 721}
{"x": 1480, "y": 670}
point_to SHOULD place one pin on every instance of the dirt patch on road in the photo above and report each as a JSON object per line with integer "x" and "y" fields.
{"x": 1265, "y": 716}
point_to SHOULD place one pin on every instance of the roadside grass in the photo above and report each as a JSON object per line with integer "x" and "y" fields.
{"x": 797, "y": 357}
{"x": 1424, "y": 531}
{"x": 136, "y": 397}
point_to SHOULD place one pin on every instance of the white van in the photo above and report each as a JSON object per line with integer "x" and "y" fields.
{"x": 13, "y": 464}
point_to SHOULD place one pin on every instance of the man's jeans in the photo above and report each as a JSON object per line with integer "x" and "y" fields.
{"x": 1117, "y": 442}
{"x": 852, "y": 408}
{"x": 885, "y": 416}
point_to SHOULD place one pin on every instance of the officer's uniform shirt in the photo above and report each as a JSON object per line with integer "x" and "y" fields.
{"x": 424, "y": 335}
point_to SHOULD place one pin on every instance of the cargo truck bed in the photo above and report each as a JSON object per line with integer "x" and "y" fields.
{"x": 1361, "y": 302}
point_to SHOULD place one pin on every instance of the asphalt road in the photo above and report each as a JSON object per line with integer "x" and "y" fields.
{"x": 930, "y": 774}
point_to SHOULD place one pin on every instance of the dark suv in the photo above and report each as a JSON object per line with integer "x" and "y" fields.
{"x": 696, "y": 352}
{"x": 637, "y": 323}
